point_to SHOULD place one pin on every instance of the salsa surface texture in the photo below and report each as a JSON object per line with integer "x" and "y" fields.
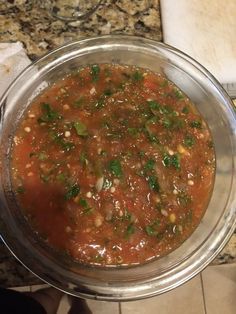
{"x": 113, "y": 165}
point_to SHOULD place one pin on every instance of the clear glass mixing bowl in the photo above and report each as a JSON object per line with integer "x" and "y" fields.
{"x": 219, "y": 220}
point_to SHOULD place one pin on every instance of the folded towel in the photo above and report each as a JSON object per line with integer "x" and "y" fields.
{"x": 13, "y": 60}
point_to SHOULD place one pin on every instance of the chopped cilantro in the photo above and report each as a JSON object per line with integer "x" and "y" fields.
{"x": 166, "y": 110}
{"x": 115, "y": 167}
{"x": 153, "y": 104}
{"x": 173, "y": 160}
{"x": 185, "y": 110}
{"x": 86, "y": 208}
{"x": 179, "y": 94}
{"x": 65, "y": 145}
{"x": 149, "y": 165}
{"x": 130, "y": 230}
{"x": 49, "y": 114}
{"x": 167, "y": 123}
{"x": 80, "y": 128}
{"x": 184, "y": 199}
{"x": 137, "y": 76}
{"x": 150, "y": 230}
{"x": 83, "y": 202}
{"x": 189, "y": 141}
{"x": 72, "y": 191}
{"x": 153, "y": 183}
{"x": 95, "y": 71}
{"x": 196, "y": 124}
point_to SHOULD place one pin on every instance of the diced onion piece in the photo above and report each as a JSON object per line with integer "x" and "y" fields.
{"x": 99, "y": 184}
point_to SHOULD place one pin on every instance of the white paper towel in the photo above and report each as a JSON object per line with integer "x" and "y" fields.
{"x": 205, "y": 30}
{"x": 13, "y": 60}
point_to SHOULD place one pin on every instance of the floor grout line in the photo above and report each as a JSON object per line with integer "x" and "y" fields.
{"x": 203, "y": 294}
{"x": 120, "y": 308}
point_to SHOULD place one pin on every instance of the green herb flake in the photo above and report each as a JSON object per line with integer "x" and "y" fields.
{"x": 173, "y": 160}
{"x": 95, "y": 71}
{"x": 178, "y": 94}
{"x": 184, "y": 199}
{"x": 83, "y": 202}
{"x": 189, "y": 141}
{"x": 58, "y": 139}
{"x": 185, "y": 110}
{"x": 86, "y": 208}
{"x": 80, "y": 128}
{"x": 114, "y": 166}
{"x": 130, "y": 230}
{"x": 150, "y": 230}
{"x": 196, "y": 124}
{"x": 153, "y": 104}
{"x": 166, "y": 110}
{"x": 149, "y": 166}
{"x": 167, "y": 123}
{"x": 49, "y": 114}
{"x": 137, "y": 76}
{"x": 72, "y": 191}
{"x": 153, "y": 183}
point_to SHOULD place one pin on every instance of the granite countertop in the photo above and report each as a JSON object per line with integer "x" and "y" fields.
{"x": 32, "y": 23}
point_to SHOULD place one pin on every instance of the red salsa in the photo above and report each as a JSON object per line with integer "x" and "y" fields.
{"x": 113, "y": 165}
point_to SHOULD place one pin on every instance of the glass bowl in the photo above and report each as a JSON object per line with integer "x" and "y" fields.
{"x": 215, "y": 228}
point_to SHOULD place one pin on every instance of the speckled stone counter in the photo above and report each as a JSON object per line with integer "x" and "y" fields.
{"x": 32, "y": 23}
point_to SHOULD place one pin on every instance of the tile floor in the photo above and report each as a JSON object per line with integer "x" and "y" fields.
{"x": 211, "y": 292}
